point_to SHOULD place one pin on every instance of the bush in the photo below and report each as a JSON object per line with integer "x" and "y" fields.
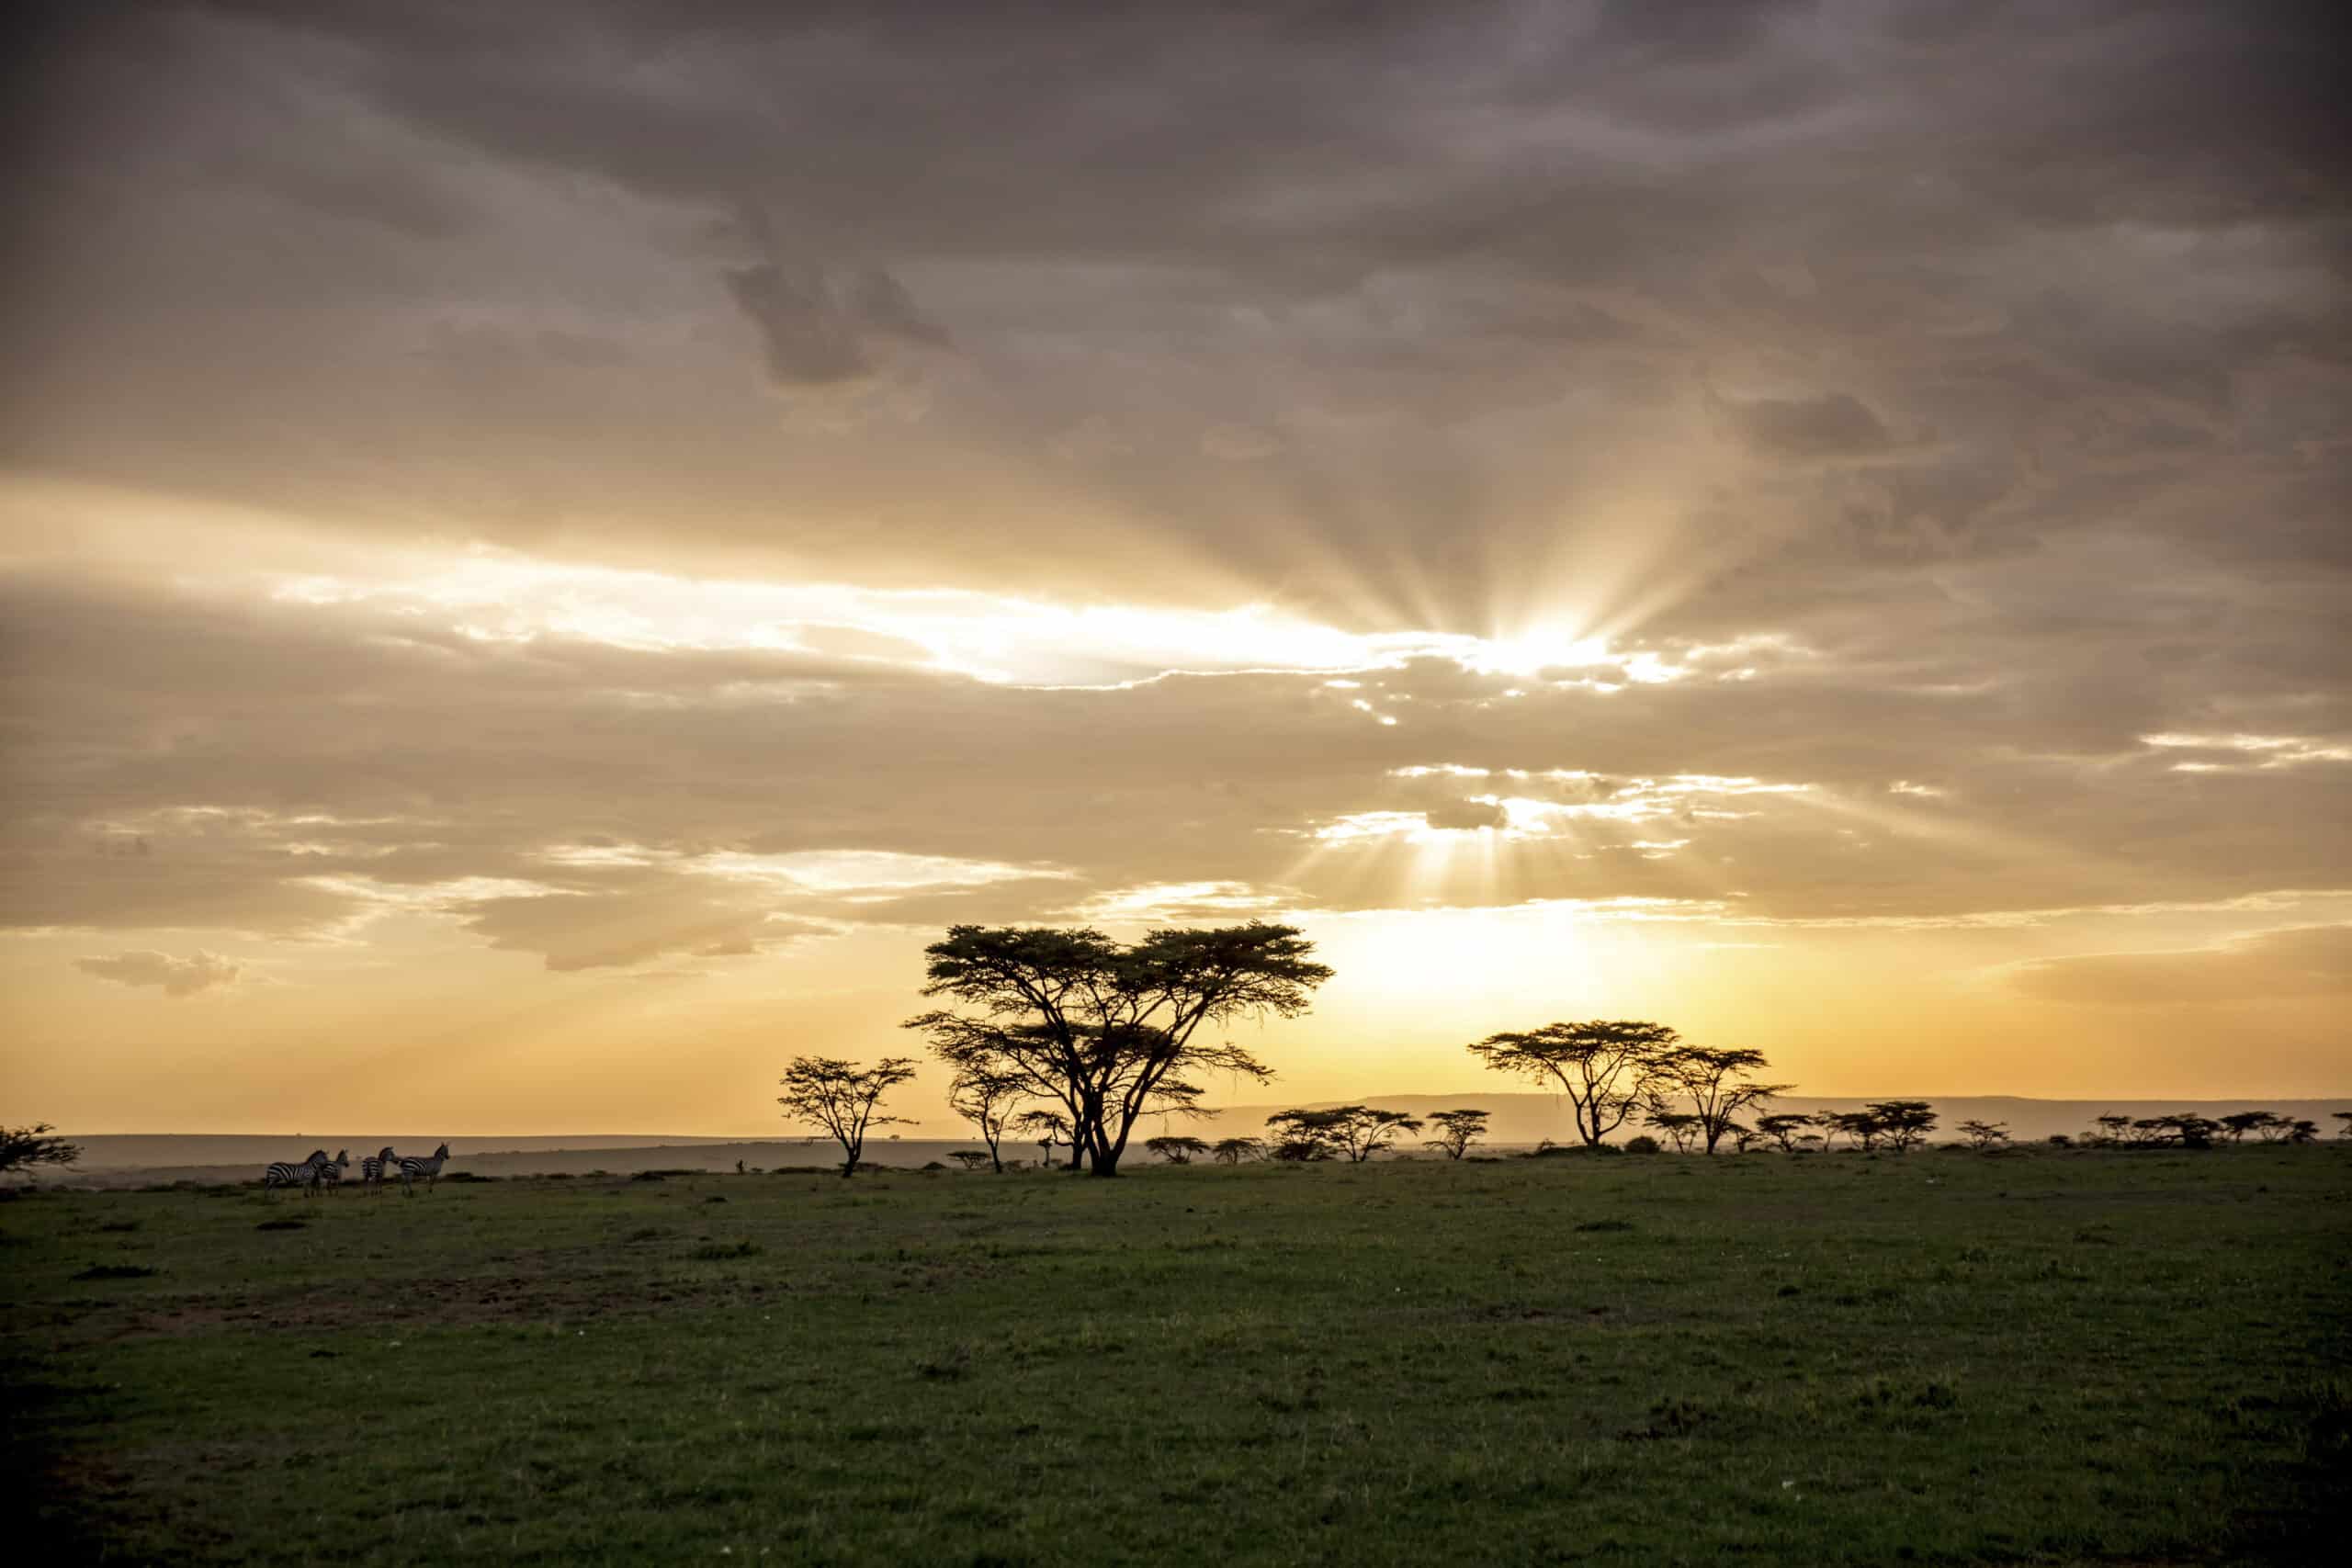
{"x": 1641, "y": 1144}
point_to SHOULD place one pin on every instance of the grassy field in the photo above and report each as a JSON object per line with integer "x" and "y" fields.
{"x": 1944, "y": 1358}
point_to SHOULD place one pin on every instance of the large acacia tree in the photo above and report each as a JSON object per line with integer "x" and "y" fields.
{"x": 1605, "y": 1066}
{"x": 1106, "y": 1030}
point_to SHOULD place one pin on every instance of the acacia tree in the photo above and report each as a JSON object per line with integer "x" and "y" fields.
{"x": 1715, "y": 1082}
{"x": 2112, "y": 1129}
{"x": 1604, "y": 1067}
{"x": 1679, "y": 1125}
{"x": 1861, "y": 1128}
{"x": 1177, "y": 1150}
{"x": 1985, "y": 1134}
{"x": 1107, "y": 1032}
{"x": 1049, "y": 1127}
{"x": 986, "y": 1099}
{"x": 843, "y": 1098}
{"x": 2237, "y": 1124}
{"x": 21, "y": 1148}
{"x": 2345, "y": 1117}
{"x": 1456, "y": 1131}
{"x": 1357, "y": 1131}
{"x": 1233, "y": 1151}
{"x": 1785, "y": 1129}
{"x": 1904, "y": 1123}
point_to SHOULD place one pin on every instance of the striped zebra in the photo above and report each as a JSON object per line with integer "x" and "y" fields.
{"x": 372, "y": 1169}
{"x": 427, "y": 1167}
{"x": 305, "y": 1175}
{"x": 331, "y": 1173}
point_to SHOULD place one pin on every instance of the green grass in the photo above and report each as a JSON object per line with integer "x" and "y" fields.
{"x": 2046, "y": 1358}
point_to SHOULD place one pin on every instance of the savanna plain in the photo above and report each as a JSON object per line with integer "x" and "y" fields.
{"x": 2039, "y": 1356}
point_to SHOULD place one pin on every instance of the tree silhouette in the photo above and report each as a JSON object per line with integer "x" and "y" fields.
{"x": 1177, "y": 1150}
{"x": 986, "y": 1100}
{"x": 843, "y": 1098}
{"x": 1456, "y": 1131}
{"x": 21, "y": 1148}
{"x": 1716, "y": 1083}
{"x": 1985, "y": 1134}
{"x": 2345, "y": 1117}
{"x": 1107, "y": 1032}
{"x": 972, "y": 1159}
{"x": 1604, "y": 1067}
{"x": 2237, "y": 1124}
{"x": 1682, "y": 1126}
{"x": 1784, "y": 1129}
{"x": 1047, "y": 1127}
{"x": 1861, "y": 1128}
{"x": 2112, "y": 1129}
{"x": 1357, "y": 1131}
{"x": 1233, "y": 1151}
{"x": 1904, "y": 1123}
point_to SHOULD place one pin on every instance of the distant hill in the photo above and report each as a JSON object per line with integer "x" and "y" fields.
{"x": 1521, "y": 1118}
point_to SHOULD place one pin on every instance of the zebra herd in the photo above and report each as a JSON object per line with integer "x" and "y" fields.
{"x": 319, "y": 1173}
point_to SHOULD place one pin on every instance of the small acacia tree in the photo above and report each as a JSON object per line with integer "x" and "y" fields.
{"x": 1681, "y": 1126}
{"x": 843, "y": 1098}
{"x": 1784, "y": 1129}
{"x": 1456, "y": 1131}
{"x": 2237, "y": 1124}
{"x": 1357, "y": 1131}
{"x": 1716, "y": 1083}
{"x": 986, "y": 1100}
{"x": 1233, "y": 1151}
{"x": 1604, "y": 1065}
{"x": 22, "y": 1148}
{"x": 1985, "y": 1134}
{"x": 1049, "y": 1127}
{"x": 2345, "y": 1117}
{"x": 1904, "y": 1123}
{"x": 1179, "y": 1149}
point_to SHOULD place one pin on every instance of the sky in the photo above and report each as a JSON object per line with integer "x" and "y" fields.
{"x": 547, "y": 549}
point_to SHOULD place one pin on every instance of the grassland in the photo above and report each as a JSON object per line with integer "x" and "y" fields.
{"x": 1944, "y": 1358}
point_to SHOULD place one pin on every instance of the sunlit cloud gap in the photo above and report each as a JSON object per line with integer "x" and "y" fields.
{"x": 989, "y": 637}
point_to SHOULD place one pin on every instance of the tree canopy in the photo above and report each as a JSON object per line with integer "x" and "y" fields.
{"x": 843, "y": 1098}
{"x": 1359, "y": 1132}
{"x": 1456, "y": 1131}
{"x": 1106, "y": 1031}
{"x": 21, "y": 1148}
{"x": 1605, "y": 1066}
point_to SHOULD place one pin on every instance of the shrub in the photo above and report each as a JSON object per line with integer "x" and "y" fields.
{"x": 1641, "y": 1144}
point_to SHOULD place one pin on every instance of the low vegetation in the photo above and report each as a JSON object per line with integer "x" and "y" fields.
{"x": 1947, "y": 1358}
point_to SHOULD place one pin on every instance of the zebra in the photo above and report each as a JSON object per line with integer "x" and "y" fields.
{"x": 331, "y": 1173}
{"x": 305, "y": 1175}
{"x": 372, "y": 1168}
{"x": 427, "y": 1167}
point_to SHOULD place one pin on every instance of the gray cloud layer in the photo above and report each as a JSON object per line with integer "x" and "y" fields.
{"x": 1984, "y": 367}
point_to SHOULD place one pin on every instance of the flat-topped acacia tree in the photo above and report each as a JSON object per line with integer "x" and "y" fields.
{"x": 1605, "y": 1066}
{"x": 1107, "y": 1030}
{"x": 843, "y": 1098}
{"x": 1358, "y": 1131}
